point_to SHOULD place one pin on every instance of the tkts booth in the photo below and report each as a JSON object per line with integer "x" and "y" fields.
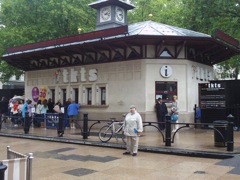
{"x": 119, "y": 64}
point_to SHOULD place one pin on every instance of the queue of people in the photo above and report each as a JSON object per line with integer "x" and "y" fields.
{"x": 16, "y": 108}
{"x": 133, "y": 125}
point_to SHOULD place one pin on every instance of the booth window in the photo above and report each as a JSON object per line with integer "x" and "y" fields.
{"x": 52, "y": 95}
{"x": 64, "y": 95}
{"x": 89, "y": 96}
{"x": 103, "y": 95}
{"x": 165, "y": 90}
{"x": 76, "y": 93}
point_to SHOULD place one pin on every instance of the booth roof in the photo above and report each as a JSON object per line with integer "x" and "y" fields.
{"x": 142, "y": 33}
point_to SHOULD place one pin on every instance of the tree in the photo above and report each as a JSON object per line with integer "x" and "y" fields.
{"x": 163, "y": 11}
{"x": 29, "y": 21}
{"x": 206, "y": 16}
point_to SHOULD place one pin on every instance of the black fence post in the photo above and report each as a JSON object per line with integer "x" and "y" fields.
{"x": 2, "y": 170}
{"x": 60, "y": 128}
{"x": 85, "y": 126}
{"x": 168, "y": 131}
{"x": 230, "y": 135}
{"x": 26, "y": 123}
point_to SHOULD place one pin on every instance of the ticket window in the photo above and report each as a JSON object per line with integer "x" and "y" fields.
{"x": 103, "y": 95}
{"x": 52, "y": 92}
{"x": 76, "y": 93}
{"x": 89, "y": 96}
{"x": 165, "y": 90}
{"x": 64, "y": 95}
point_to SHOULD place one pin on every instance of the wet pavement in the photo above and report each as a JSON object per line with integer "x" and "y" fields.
{"x": 72, "y": 157}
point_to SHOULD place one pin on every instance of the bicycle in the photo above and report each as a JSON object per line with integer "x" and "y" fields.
{"x": 113, "y": 128}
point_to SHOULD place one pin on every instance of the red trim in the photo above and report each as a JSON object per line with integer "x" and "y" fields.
{"x": 225, "y": 37}
{"x": 70, "y": 39}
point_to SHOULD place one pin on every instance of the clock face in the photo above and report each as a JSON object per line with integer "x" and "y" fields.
{"x": 105, "y": 14}
{"x": 119, "y": 14}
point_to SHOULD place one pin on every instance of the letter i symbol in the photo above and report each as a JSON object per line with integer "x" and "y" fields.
{"x": 166, "y": 71}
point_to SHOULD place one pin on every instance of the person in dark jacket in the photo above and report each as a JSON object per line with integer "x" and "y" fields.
{"x": 161, "y": 111}
{"x": 50, "y": 105}
{"x": 3, "y": 111}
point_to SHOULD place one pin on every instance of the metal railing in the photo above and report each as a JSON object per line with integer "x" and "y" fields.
{"x": 167, "y": 136}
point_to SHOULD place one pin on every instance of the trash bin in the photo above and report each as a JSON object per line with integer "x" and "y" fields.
{"x": 220, "y": 133}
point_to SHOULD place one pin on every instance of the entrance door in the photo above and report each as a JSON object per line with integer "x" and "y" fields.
{"x": 165, "y": 90}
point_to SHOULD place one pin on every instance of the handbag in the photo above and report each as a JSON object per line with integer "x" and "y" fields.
{"x": 174, "y": 117}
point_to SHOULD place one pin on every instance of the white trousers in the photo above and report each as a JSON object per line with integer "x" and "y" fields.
{"x": 132, "y": 144}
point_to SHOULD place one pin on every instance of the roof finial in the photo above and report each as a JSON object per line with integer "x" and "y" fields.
{"x": 150, "y": 16}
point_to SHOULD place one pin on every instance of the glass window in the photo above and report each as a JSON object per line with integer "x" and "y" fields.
{"x": 165, "y": 90}
{"x": 76, "y": 93}
{"x": 103, "y": 95}
{"x": 89, "y": 96}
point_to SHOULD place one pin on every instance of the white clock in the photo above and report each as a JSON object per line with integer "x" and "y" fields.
{"x": 119, "y": 14}
{"x": 105, "y": 14}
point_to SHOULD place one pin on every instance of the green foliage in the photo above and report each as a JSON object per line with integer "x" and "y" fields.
{"x": 29, "y": 21}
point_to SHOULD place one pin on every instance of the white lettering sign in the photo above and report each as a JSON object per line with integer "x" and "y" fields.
{"x": 201, "y": 74}
{"x": 73, "y": 76}
{"x": 65, "y": 76}
{"x": 92, "y": 75}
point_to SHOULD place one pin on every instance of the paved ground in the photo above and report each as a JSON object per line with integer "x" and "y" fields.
{"x": 54, "y": 160}
{"x": 71, "y": 157}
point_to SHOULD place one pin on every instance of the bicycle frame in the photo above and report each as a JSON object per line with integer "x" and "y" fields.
{"x": 119, "y": 129}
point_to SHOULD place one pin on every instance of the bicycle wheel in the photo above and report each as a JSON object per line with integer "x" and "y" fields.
{"x": 105, "y": 133}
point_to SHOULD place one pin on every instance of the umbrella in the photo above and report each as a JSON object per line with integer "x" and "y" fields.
{"x": 18, "y": 97}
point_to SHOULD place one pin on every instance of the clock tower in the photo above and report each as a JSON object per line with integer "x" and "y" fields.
{"x": 111, "y": 13}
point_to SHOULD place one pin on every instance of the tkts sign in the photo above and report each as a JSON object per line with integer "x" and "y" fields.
{"x": 73, "y": 75}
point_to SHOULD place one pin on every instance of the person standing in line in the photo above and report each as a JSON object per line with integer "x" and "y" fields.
{"x": 161, "y": 111}
{"x": 174, "y": 113}
{"x": 3, "y": 111}
{"x": 38, "y": 118}
{"x": 132, "y": 129}
{"x": 20, "y": 105}
{"x": 57, "y": 107}
{"x": 66, "y": 120}
{"x": 25, "y": 115}
{"x": 44, "y": 107}
{"x": 50, "y": 105}
{"x": 72, "y": 110}
{"x": 15, "y": 113}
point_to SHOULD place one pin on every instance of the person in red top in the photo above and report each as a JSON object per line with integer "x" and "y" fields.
{"x": 15, "y": 113}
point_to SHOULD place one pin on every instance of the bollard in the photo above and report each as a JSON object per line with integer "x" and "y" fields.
{"x": 60, "y": 128}
{"x": 230, "y": 135}
{"x": 85, "y": 126}
{"x": 168, "y": 131}
{"x": 2, "y": 170}
{"x": 26, "y": 123}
